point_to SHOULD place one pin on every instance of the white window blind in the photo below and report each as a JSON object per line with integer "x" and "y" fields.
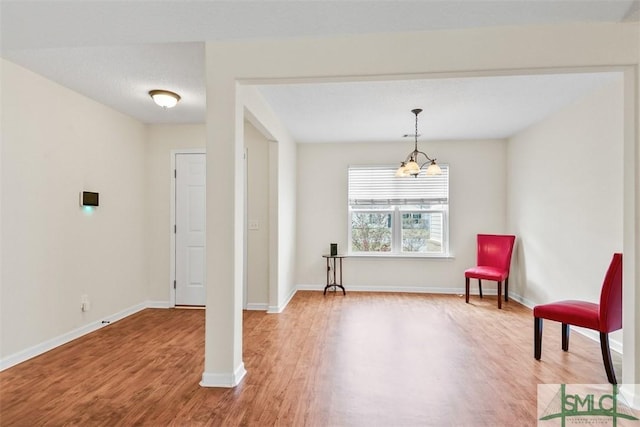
{"x": 378, "y": 185}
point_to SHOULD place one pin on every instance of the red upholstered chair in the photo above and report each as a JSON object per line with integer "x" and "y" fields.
{"x": 494, "y": 262}
{"x": 604, "y": 317}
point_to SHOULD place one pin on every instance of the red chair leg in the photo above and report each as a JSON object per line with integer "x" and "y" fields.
{"x": 466, "y": 289}
{"x": 499, "y": 295}
{"x": 506, "y": 289}
{"x": 537, "y": 337}
{"x": 480, "y": 287}
{"x": 606, "y": 357}
{"x": 565, "y": 337}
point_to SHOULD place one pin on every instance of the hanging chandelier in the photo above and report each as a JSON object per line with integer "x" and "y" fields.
{"x": 411, "y": 166}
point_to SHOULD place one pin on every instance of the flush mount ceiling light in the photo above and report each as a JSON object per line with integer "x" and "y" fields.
{"x": 410, "y": 166}
{"x": 164, "y": 98}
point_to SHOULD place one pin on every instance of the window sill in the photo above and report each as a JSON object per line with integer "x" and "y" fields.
{"x": 398, "y": 256}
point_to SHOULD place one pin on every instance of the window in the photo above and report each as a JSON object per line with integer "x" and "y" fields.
{"x": 398, "y": 216}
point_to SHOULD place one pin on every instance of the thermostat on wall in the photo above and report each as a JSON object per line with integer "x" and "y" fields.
{"x": 87, "y": 198}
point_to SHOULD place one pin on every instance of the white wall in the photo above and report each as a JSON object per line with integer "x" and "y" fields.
{"x": 565, "y": 197}
{"x": 477, "y": 205}
{"x": 282, "y": 196}
{"x": 287, "y": 205}
{"x": 161, "y": 140}
{"x": 55, "y": 144}
{"x": 258, "y": 213}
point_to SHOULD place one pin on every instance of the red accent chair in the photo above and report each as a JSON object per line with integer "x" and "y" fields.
{"x": 494, "y": 262}
{"x": 604, "y": 317}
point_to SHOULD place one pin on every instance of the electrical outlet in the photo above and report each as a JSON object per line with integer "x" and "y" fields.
{"x": 254, "y": 225}
{"x": 85, "y": 305}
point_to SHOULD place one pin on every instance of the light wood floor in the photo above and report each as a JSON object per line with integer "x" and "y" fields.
{"x": 367, "y": 359}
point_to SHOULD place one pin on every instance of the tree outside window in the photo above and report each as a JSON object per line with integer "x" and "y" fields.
{"x": 397, "y": 216}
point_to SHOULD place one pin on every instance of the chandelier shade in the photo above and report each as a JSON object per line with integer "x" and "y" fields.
{"x": 411, "y": 166}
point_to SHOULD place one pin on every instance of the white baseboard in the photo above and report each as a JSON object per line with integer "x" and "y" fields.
{"x": 309, "y": 288}
{"x": 280, "y": 308}
{"x": 405, "y": 289}
{"x": 52, "y": 343}
{"x": 158, "y": 304}
{"x": 631, "y": 393}
{"x": 257, "y": 306}
{"x": 526, "y": 302}
{"x": 227, "y": 380}
{"x": 614, "y": 345}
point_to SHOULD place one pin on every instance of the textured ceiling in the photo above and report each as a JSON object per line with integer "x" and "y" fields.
{"x": 41, "y": 24}
{"x": 116, "y": 51}
{"x": 454, "y": 108}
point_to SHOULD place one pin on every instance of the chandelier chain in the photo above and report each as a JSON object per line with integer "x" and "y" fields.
{"x": 416, "y": 132}
{"x": 410, "y": 166}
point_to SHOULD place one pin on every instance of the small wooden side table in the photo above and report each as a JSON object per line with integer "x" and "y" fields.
{"x": 334, "y": 280}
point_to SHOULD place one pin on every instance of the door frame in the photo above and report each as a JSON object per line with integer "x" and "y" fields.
{"x": 172, "y": 219}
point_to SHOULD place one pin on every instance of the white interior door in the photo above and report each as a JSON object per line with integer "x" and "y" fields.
{"x": 190, "y": 229}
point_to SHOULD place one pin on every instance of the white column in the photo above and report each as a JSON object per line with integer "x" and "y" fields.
{"x": 223, "y": 365}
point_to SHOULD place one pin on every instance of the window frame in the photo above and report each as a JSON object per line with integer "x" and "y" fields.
{"x": 445, "y": 231}
{"x": 386, "y": 210}
{"x": 396, "y": 211}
